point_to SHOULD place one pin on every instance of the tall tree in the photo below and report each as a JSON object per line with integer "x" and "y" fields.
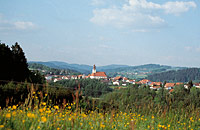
{"x": 190, "y": 85}
{"x": 20, "y": 63}
{"x": 6, "y": 70}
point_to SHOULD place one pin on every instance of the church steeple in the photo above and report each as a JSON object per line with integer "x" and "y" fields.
{"x": 94, "y": 69}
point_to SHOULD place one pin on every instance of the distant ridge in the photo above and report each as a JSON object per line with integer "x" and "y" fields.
{"x": 113, "y": 69}
{"x": 63, "y": 65}
{"x": 184, "y": 75}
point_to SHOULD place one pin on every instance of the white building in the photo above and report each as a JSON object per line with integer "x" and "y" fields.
{"x": 97, "y": 75}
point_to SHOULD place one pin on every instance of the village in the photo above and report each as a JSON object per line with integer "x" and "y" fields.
{"x": 118, "y": 81}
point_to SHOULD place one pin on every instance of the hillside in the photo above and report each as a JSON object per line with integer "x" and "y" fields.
{"x": 49, "y": 70}
{"x": 141, "y": 71}
{"x": 136, "y": 72}
{"x": 63, "y": 65}
{"x": 184, "y": 75}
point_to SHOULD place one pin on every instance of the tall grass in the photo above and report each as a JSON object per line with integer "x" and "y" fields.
{"x": 40, "y": 113}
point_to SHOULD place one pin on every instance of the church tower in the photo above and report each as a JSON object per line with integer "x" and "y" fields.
{"x": 94, "y": 69}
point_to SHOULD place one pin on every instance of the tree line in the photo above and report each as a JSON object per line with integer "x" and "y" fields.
{"x": 89, "y": 87}
{"x": 143, "y": 99}
{"x": 14, "y": 65}
{"x": 48, "y": 70}
{"x": 183, "y": 75}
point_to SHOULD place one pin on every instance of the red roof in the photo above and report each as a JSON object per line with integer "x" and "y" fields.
{"x": 179, "y": 83}
{"x": 155, "y": 83}
{"x": 197, "y": 84}
{"x": 117, "y": 78}
{"x": 144, "y": 81}
{"x": 100, "y": 74}
{"x": 169, "y": 85}
{"x": 171, "y": 90}
{"x": 156, "y": 87}
{"x": 124, "y": 78}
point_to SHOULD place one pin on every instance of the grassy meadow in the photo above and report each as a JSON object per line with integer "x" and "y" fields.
{"x": 45, "y": 110}
{"x": 71, "y": 117}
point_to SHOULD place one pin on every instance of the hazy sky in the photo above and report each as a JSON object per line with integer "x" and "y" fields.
{"x": 103, "y": 32}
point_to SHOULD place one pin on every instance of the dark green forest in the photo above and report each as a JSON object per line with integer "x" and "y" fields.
{"x": 138, "y": 98}
{"x": 14, "y": 66}
{"x": 184, "y": 75}
{"x": 48, "y": 70}
{"x": 89, "y": 87}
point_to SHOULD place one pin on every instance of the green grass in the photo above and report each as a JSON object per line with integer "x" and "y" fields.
{"x": 53, "y": 117}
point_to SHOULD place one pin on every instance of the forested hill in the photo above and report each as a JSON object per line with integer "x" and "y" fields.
{"x": 86, "y": 69}
{"x": 143, "y": 68}
{"x": 135, "y": 72}
{"x": 49, "y": 70}
{"x": 183, "y": 75}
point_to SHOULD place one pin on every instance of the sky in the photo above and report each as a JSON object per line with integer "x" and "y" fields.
{"x": 103, "y": 32}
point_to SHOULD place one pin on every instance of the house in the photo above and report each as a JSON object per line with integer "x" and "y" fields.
{"x": 48, "y": 77}
{"x": 131, "y": 81}
{"x": 179, "y": 83}
{"x": 155, "y": 87}
{"x": 97, "y": 75}
{"x": 145, "y": 81}
{"x": 124, "y": 79}
{"x": 155, "y": 84}
{"x": 66, "y": 77}
{"x": 169, "y": 86}
{"x": 197, "y": 85}
{"x": 124, "y": 84}
{"x": 57, "y": 79}
{"x": 116, "y": 83}
{"x": 118, "y": 78}
{"x": 74, "y": 77}
{"x": 80, "y": 76}
{"x": 170, "y": 91}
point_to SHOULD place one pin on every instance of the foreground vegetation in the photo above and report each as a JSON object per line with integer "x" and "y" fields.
{"x": 50, "y": 108}
{"x": 44, "y": 116}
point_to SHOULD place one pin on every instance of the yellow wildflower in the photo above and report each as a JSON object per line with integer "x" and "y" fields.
{"x": 14, "y": 107}
{"x": 41, "y": 110}
{"x": 56, "y": 107}
{"x": 102, "y": 125}
{"x": 8, "y": 115}
{"x": 1, "y": 126}
{"x": 30, "y": 115}
{"x": 43, "y": 119}
{"x": 14, "y": 113}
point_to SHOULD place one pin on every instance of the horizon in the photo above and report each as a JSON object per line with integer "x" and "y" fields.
{"x": 114, "y": 64}
{"x": 123, "y": 32}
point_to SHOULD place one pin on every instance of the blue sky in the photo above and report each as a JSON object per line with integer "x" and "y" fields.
{"x": 102, "y": 32}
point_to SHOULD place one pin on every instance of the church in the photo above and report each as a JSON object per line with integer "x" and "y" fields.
{"x": 97, "y": 75}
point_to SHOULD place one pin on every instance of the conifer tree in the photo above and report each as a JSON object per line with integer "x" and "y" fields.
{"x": 6, "y": 70}
{"x": 20, "y": 63}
